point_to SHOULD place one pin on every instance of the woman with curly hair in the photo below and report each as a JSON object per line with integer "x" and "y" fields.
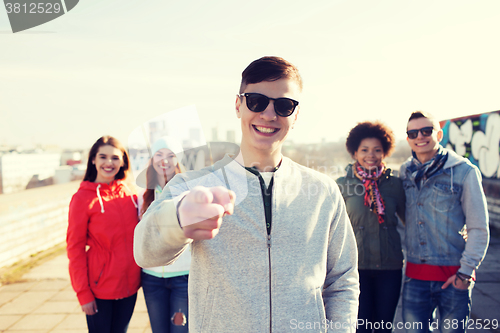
{"x": 373, "y": 196}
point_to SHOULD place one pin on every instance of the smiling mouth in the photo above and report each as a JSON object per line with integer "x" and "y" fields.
{"x": 265, "y": 130}
{"x": 108, "y": 169}
{"x": 164, "y": 167}
{"x": 420, "y": 144}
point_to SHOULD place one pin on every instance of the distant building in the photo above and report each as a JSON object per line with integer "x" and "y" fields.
{"x": 157, "y": 130}
{"x": 70, "y": 157}
{"x": 231, "y": 136}
{"x": 139, "y": 160}
{"x": 195, "y": 135}
{"x": 215, "y": 134}
{"x": 17, "y": 170}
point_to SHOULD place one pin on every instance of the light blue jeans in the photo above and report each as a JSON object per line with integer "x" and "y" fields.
{"x": 167, "y": 303}
{"x": 420, "y": 300}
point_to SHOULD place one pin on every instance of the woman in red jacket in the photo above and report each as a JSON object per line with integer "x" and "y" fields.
{"x": 102, "y": 218}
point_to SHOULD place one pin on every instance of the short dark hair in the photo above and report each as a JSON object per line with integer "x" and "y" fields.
{"x": 269, "y": 69}
{"x": 368, "y": 129}
{"x": 423, "y": 114}
{"x": 91, "y": 173}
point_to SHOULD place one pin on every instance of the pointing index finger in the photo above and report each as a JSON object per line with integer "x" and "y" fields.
{"x": 224, "y": 197}
{"x": 202, "y": 195}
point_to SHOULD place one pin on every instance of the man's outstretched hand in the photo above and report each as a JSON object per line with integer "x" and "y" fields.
{"x": 202, "y": 209}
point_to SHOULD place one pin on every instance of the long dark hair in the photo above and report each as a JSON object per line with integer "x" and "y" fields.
{"x": 91, "y": 173}
{"x": 152, "y": 182}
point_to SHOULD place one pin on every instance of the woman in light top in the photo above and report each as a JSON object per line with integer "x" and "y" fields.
{"x": 165, "y": 287}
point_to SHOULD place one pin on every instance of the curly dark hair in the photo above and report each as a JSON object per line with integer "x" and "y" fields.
{"x": 368, "y": 129}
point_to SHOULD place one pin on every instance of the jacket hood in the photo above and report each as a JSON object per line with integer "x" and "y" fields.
{"x": 115, "y": 185}
{"x": 453, "y": 159}
{"x": 91, "y": 186}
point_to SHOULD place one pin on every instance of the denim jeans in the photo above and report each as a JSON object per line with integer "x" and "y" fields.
{"x": 167, "y": 303}
{"x": 420, "y": 300}
{"x": 378, "y": 299}
{"x": 113, "y": 316}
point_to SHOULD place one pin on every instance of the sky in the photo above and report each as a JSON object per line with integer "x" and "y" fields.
{"x": 106, "y": 67}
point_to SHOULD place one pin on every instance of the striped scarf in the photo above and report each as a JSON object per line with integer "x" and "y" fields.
{"x": 423, "y": 171}
{"x": 373, "y": 199}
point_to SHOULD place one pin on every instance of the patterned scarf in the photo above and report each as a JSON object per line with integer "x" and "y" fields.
{"x": 373, "y": 199}
{"x": 423, "y": 171}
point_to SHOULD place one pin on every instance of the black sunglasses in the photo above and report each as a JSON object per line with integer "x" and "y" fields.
{"x": 283, "y": 106}
{"x": 426, "y": 131}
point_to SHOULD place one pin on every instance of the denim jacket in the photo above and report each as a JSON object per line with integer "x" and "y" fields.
{"x": 435, "y": 215}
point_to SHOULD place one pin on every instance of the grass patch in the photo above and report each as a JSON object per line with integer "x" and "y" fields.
{"x": 14, "y": 273}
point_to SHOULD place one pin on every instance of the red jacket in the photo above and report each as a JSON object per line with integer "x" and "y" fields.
{"x": 102, "y": 218}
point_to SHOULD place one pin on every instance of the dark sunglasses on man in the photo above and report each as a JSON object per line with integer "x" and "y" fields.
{"x": 426, "y": 131}
{"x": 283, "y": 106}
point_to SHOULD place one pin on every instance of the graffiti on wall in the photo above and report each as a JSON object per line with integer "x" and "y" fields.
{"x": 477, "y": 138}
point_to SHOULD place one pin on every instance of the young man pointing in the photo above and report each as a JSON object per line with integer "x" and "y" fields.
{"x": 272, "y": 246}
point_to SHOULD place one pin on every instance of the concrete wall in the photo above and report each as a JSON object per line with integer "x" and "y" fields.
{"x": 492, "y": 191}
{"x": 477, "y": 137}
{"x": 33, "y": 220}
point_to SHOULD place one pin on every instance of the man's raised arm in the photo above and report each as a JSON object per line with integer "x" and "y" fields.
{"x": 171, "y": 224}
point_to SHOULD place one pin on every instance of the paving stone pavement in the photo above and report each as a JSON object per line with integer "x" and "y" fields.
{"x": 45, "y": 301}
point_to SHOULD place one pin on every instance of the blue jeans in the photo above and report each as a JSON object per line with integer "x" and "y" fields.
{"x": 113, "y": 316}
{"x": 378, "y": 299}
{"x": 167, "y": 303}
{"x": 420, "y": 300}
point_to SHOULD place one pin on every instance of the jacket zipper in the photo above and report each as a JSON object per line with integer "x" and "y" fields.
{"x": 100, "y": 274}
{"x": 270, "y": 295}
{"x": 267, "y": 199}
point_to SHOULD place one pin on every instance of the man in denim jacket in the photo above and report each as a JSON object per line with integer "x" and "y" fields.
{"x": 444, "y": 196}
